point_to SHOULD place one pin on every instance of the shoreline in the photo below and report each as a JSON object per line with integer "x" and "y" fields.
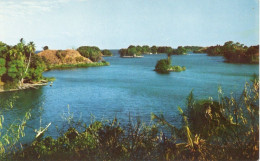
{"x": 25, "y": 86}
{"x": 53, "y": 67}
{"x": 132, "y": 56}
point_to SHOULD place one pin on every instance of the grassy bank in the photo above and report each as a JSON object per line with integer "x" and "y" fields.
{"x": 94, "y": 64}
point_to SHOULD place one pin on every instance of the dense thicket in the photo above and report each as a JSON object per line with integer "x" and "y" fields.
{"x": 193, "y": 48}
{"x": 91, "y": 52}
{"x": 106, "y": 52}
{"x": 179, "y": 51}
{"x": 139, "y": 50}
{"x": 163, "y": 65}
{"x": 234, "y": 52}
{"x": 19, "y": 63}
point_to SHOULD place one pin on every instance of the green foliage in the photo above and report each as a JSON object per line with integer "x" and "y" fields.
{"x": 37, "y": 67}
{"x": 123, "y": 52}
{"x": 194, "y": 49}
{"x": 95, "y": 64}
{"x": 226, "y": 129}
{"x": 19, "y": 63}
{"x": 107, "y": 52}
{"x": 91, "y": 52}
{"x": 164, "y": 49}
{"x": 163, "y": 66}
{"x": 11, "y": 134}
{"x": 177, "y": 68}
{"x": 132, "y": 50}
{"x": 145, "y": 49}
{"x": 15, "y": 69}
{"x": 235, "y": 52}
{"x": 2, "y": 67}
{"x": 179, "y": 51}
{"x": 45, "y": 48}
{"x": 154, "y": 49}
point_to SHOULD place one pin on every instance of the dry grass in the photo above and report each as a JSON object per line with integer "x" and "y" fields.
{"x": 67, "y": 56}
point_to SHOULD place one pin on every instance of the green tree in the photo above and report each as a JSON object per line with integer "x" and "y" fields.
{"x": 132, "y": 51}
{"x": 45, "y": 48}
{"x": 154, "y": 49}
{"x": 2, "y": 67}
{"x": 163, "y": 66}
{"x": 146, "y": 49}
{"x": 107, "y": 52}
{"x": 91, "y": 52}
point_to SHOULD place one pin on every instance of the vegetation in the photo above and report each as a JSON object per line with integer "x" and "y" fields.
{"x": 94, "y": 64}
{"x": 11, "y": 134}
{"x": 131, "y": 51}
{"x": 194, "y": 49}
{"x": 179, "y": 51}
{"x": 225, "y": 129}
{"x": 164, "y": 66}
{"x": 139, "y": 50}
{"x": 234, "y": 52}
{"x": 91, "y": 52}
{"x": 177, "y": 68}
{"x": 19, "y": 64}
{"x": 107, "y": 52}
{"x": 45, "y": 48}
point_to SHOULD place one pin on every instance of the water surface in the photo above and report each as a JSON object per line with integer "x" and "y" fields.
{"x": 128, "y": 85}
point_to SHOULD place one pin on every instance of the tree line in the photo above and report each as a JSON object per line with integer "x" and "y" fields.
{"x": 234, "y": 52}
{"x": 145, "y": 49}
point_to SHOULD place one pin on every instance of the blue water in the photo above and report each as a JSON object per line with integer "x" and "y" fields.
{"x": 127, "y": 86}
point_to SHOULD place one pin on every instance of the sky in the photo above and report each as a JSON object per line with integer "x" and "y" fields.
{"x": 115, "y": 24}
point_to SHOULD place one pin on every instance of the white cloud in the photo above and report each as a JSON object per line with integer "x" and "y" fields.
{"x": 10, "y": 8}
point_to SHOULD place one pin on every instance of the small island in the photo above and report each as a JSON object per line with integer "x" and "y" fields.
{"x": 106, "y": 52}
{"x": 164, "y": 66}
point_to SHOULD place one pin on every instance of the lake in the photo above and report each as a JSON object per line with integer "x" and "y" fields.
{"x": 129, "y": 86}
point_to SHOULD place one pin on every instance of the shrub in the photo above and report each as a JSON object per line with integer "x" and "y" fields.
{"x": 107, "y": 52}
{"x": 79, "y": 59}
{"x": 58, "y": 54}
{"x": 45, "y": 48}
{"x": 177, "y": 68}
{"x": 163, "y": 66}
{"x": 91, "y": 52}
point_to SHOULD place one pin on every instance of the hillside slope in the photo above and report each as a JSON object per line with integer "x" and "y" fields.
{"x": 68, "y": 56}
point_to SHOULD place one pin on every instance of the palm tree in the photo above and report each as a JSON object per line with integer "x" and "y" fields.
{"x": 31, "y": 49}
